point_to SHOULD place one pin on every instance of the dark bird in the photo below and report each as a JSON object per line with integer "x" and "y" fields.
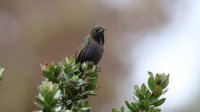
{"x": 92, "y": 47}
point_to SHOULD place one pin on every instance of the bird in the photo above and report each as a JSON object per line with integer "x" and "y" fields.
{"x": 92, "y": 46}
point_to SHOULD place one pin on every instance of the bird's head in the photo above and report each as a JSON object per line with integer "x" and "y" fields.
{"x": 97, "y": 33}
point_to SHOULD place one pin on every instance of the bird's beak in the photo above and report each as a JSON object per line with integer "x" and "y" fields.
{"x": 102, "y": 30}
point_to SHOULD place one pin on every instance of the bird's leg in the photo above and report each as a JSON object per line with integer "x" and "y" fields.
{"x": 91, "y": 64}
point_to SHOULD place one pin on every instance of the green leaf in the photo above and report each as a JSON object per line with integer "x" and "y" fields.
{"x": 150, "y": 73}
{"x": 74, "y": 78}
{"x": 53, "y": 103}
{"x": 75, "y": 68}
{"x": 165, "y": 90}
{"x": 141, "y": 96}
{"x": 84, "y": 66}
{"x": 144, "y": 105}
{"x": 80, "y": 82}
{"x": 165, "y": 82}
{"x": 157, "y": 92}
{"x": 151, "y": 83}
{"x": 1, "y": 73}
{"x": 57, "y": 71}
{"x": 156, "y": 110}
{"x": 136, "y": 88}
{"x": 46, "y": 73}
{"x": 143, "y": 88}
{"x": 68, "y": 72}
{"x": 159, "y": 102}
{"x": 129, "y": 106}
{"x": 49, "y": 97}
{"x": 159, "y": 78}
{"x": 90, "y": 87}
{"x": 53, "y": 79}
{"x": 136, "y": 99}
{"x": 114, "y": 110}
{"x": 67, "y": 85}
{"x": 93, "y": 69}
{"x": 83, "y": 95}
{"x": 51, "y": 68}
{"x": 122, "y": 109}
{"x": 135, "y": 106}
{"x": 147, "y": 94}
{"x": 47, "y": 109}
{"x": 152, "y": 101}
{"x": 85, "y": 109}
{"x": 39, "y": 102}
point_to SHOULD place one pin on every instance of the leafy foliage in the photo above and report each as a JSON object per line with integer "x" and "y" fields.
{"x": 147, "y": 99}
{"x": 67, "y": 86}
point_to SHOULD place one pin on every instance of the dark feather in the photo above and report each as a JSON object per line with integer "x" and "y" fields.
{"x": 81, "y": 50}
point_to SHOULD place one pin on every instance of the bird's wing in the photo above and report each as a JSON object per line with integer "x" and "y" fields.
{"x": 81, "y": 50}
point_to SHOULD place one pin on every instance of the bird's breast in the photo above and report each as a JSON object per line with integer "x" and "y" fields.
{"x": 94, "y": 52}
{"x": 95, "y": 49}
